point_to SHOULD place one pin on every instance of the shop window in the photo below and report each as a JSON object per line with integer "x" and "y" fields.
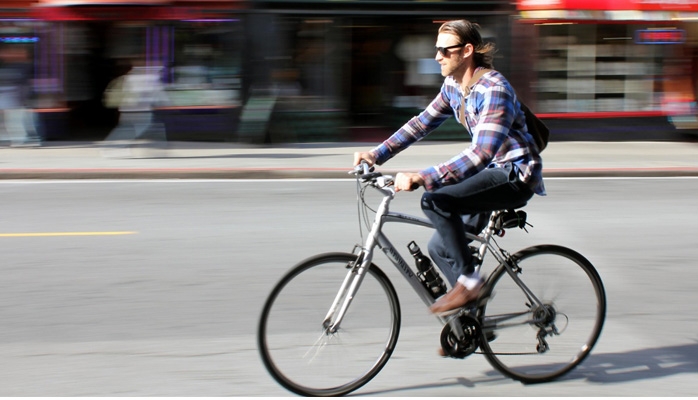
{"x": 599, "y": 68}
{"x": 204, "y": 64}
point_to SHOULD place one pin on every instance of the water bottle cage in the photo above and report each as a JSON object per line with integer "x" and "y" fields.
{"x": 435, "y": 286}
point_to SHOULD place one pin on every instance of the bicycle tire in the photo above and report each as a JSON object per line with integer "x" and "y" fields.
{"x": 575, "y": 304}
{"x": 291, "y": 325}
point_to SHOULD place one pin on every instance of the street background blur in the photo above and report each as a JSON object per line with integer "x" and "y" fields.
{"x": 132, "y": 286}
{"x": 275, "y": 71}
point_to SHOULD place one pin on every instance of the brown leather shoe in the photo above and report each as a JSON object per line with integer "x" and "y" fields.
{"x": 456, "y": 298}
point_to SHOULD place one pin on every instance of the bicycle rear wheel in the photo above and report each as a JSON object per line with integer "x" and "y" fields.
{"x": 538, "y": 343}
{"x": 297, "y": 349}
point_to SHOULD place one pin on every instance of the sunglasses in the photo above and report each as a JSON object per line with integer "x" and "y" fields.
{"x": 445, "y": 50}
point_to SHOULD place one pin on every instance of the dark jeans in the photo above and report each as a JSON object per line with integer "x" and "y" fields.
{"x": 466, "y": 206}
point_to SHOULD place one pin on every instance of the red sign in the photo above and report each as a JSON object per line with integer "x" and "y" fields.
{"x": 660, "y": 36}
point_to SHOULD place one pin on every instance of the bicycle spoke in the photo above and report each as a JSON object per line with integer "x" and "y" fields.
{"x": 317, "y": 348}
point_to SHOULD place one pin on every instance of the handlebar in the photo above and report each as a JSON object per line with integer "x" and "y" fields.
{"x": 368, "y": 174}
{"x": 365, "y": 171}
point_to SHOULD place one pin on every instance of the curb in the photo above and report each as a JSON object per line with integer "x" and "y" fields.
{"x": 621, "y": 172}
{"x": 294, "y": 173}
{"x": 174, "y": 173}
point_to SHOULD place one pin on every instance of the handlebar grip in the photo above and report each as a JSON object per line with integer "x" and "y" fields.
{"x": 414, "y": 186}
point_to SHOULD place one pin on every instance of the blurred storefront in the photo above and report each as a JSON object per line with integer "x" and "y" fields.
{"x": 612, "y": 58}
{"x": 349, "y": 70}
{"x": 79, "y": 47}
{"x": 18, "y": 47}
{"x": 327, "y": 70}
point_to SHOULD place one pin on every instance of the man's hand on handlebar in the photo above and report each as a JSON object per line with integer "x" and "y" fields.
{"x": 404, "y": 181}
{"x": 364, "y": 156}
{"x": 408, "y": 181}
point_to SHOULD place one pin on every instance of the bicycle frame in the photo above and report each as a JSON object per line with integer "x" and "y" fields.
{"x": 506, "y": 323}
{"x": 376, "y": 237}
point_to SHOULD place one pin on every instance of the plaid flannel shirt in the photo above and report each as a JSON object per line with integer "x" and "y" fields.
{"x": 497, "y": 127}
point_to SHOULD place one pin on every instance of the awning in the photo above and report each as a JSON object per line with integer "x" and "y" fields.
{"x": 618, "y": 5}
{"x": 16, "y": 9}
{"x": 130, "y": 10}
{"x": 623, "y": 10}
{"x": 422, "y": 8}
{"x": 99, "y": 2}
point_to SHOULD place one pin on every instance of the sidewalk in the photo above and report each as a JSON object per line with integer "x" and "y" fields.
{"x": 188, "y": 160}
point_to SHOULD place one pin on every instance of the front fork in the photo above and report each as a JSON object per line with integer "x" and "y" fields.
{"x": 357, "y": 271}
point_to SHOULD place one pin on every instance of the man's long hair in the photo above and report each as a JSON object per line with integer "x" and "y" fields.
{"x": 468, "y": 32}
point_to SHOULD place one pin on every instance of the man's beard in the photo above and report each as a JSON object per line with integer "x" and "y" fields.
{"x": 452, "y": 68}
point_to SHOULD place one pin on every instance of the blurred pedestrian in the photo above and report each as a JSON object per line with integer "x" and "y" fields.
{"x": 135, "y": 94}
{"x": 16, "y": 118}
{"x": 500, "y": 169}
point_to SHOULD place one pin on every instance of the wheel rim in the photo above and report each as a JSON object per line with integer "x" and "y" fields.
{"x": 308, "y": 361}
{"x": 566, "y": 326}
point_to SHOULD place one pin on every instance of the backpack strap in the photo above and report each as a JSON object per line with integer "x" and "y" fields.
{"x": 476, "y": 77}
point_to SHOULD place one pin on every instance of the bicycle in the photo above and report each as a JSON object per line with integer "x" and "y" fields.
{"x": 332, "y": 321}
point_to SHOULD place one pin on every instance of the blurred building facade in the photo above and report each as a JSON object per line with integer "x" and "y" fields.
{"x": 356, "y": 69}
{"x": 322, "y": 70}
{"x": 618, "y": 57}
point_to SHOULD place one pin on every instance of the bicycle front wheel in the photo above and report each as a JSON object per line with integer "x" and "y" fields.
{"x": 297, "y": 348}
{"x": 541, "y": 335}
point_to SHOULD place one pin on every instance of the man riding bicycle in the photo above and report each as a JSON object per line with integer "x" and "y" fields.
{"x": 501, "y": 168}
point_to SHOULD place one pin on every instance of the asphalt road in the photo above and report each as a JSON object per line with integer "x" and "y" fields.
{"x": 154, "y": 288}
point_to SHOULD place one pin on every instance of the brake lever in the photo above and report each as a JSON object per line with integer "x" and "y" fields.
{"x": 362, "y": 169}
